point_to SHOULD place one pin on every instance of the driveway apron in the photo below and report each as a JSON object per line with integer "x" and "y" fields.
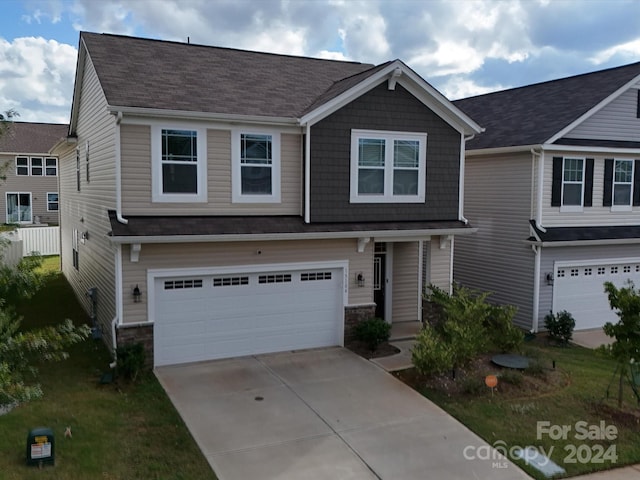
{"x": 322, "y": 414}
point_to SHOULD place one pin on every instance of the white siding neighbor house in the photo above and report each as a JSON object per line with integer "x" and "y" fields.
{"x": 553, "y": 187}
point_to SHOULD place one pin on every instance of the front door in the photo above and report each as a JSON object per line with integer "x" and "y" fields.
{"x": 379, "y": 278}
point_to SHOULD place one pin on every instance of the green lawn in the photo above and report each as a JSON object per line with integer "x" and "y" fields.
{"x": 514, "y": 419}
{"x": 119, "y": 431}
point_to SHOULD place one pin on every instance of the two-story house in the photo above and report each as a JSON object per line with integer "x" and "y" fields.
{"x": 29, "y": 189}
{"x": 227, "y": 202}
{"x": 553, "y": 187}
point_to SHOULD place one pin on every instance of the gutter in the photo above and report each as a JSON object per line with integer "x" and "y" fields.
{"x": 118, "y": 297}
{"x": 586, "y": 243}
{"x": 540, "y": 175}
{"x": 118, "y": 159}
{"x": 390, "y": 234}
{"x": 536, "y": 288}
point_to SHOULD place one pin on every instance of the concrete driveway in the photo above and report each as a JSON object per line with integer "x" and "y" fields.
{"x": 317, "y": 414}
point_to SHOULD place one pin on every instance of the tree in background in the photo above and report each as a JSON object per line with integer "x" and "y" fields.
{"x": 625, "y": 301}
{"x": 6, "y": 119}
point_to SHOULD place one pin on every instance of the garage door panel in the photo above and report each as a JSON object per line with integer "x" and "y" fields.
{"x": 579, "y": 289}
{"x": 259, "y": 313}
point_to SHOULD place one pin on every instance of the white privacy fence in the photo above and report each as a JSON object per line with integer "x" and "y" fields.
{"x": 44, "y": 240}
{"x": 11, "y": 250}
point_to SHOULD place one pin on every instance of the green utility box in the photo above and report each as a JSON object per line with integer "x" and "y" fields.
{"x": 41, "y": 447}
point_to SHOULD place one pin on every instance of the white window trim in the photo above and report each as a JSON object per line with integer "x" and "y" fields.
{"x": 573, "y": 208}
{"x": 27, "y": 166}
{"x": 236, "y": 168}
{"x": 45, "y": 166}
{"x": 622, "y": 208}
{"x": 157, "y": 195}
{"x": 58, "y": 201}
{"x": 389, "y": 197}
{"x": 41, "y": 167}
{"x": 6, "y": 211}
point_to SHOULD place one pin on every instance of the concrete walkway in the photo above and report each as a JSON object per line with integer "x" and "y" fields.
{"x": 592, "y": 338}
{"x": 322, "y": 414}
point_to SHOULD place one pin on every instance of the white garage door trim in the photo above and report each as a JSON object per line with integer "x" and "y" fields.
{"x": 608, "y": 262}
{"x": 234, "y": 343}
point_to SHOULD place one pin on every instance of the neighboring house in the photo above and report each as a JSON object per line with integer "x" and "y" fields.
{"x": 553, "y": 187}
{"x": 29, "y": 195}
{"x": 228, "y": 202}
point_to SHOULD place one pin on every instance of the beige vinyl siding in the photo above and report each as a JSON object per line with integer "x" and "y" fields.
{"x": 565, "y": 254}
{"x": 589, "y": 216}
{"x": 405, "y": 289}
{"x": 37, "y": 186}
{"x": 86, "y": 210}
{"x": 136, "y": 177}
{"x": 496, "y": 258}
{"x": 616, "y": 121}
{"x": 198, "y": 255}
{"x": 439, "y": 264}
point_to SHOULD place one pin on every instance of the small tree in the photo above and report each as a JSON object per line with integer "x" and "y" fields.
{"x": 20, "y": 350}
{"x": 625, "y": 301}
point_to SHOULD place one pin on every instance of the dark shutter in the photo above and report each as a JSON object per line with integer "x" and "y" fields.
{"x": 638, "y": 107}
{"x": 636, "y": 183}
{"x": 608, "y": 182}
{"x": 556, "y": 185}
{"x": 588, "y": 183}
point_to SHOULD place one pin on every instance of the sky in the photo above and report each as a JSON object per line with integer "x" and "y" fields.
{"x": 461, "y": 47}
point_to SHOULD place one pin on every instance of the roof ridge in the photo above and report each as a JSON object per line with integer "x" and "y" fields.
{"x": 233, "y": 49}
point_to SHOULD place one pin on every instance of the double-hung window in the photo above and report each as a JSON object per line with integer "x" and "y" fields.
{"x": 52, "y": 202}
{"x": 622, "y": 182}
{"x": 179, "y": 164}
{"x": 256, "y": 166}
{"x": 387, "y": 167}
{"x": 36, "y": 166}
{"x": 51, "y": 167}
{"x": 572, "y": 182}
{"x": 22, "y": 166}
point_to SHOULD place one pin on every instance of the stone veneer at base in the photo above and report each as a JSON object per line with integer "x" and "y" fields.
{"x": 126, "y": 335}
{"x": 355, "y": 315}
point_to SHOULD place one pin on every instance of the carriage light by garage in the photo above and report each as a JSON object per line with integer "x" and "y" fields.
{"x": 549, "y": 278}
{"x": 136, "y": 294}
{"x": 360, "y": 279}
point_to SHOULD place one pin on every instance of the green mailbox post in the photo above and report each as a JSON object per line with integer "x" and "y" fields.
{"x": 41, "y": 447}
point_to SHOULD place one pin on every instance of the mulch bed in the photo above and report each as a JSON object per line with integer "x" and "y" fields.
{"x": 360, "y": 348}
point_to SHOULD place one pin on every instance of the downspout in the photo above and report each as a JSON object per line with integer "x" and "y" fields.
{"x": 538, "y": 213}
{"x": 463, "y": 141}
{"x": 118, "y": 295}
{"x": 118, "y": 160}
{"x": 307, "y": 175}
{"x": 536, "y": 288}
{"x": 420, "y": 275}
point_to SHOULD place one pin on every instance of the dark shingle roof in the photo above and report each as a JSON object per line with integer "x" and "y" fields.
{"x": 570, "y": 234}
{"x": 532, "y": 114}
{"x": 24, "y": 137}
{"x": 137, "y": 72}
{"x": 140, "y": 226}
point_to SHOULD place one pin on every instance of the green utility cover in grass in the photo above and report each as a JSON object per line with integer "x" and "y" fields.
{"x": 40, "y": 446}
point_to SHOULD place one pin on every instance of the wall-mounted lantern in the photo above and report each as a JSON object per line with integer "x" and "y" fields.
{"x": 549, "y": 278}
{"x": 136, "y": 294}
{"x": 360, "y": 279}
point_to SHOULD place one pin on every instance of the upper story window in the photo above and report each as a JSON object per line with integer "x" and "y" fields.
{"x": 256, "y": 166}
{"x": 572, "y": 185}
{"x": 178, "y": 164}
{"x": 388, "y": 166}
{"x": 37, "y": 166}
{"x": 622, "y": 182}
{"x": 572, "y": 181}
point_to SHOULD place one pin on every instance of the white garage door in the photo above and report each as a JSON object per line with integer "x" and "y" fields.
{"x": 206, "y": 317}
{"x": 579, "y": 290}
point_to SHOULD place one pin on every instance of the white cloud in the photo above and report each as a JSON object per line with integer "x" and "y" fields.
{"x": 36, "y": 78}
{"x": 630, "y": 51}
{"x": 458, "y": 87}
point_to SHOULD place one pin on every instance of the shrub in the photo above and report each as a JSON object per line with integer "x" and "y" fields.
{"x": 535, "y": 369}
{"x": 473, "y": 385}
{"x": 511, "y": 377}
{"x": 373, "y": 332}
{"x": 131, "y": 360}
{"x": 430, "y": 355}
{"x": 560, "y": 326}
{"x": 504, "y": 335}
